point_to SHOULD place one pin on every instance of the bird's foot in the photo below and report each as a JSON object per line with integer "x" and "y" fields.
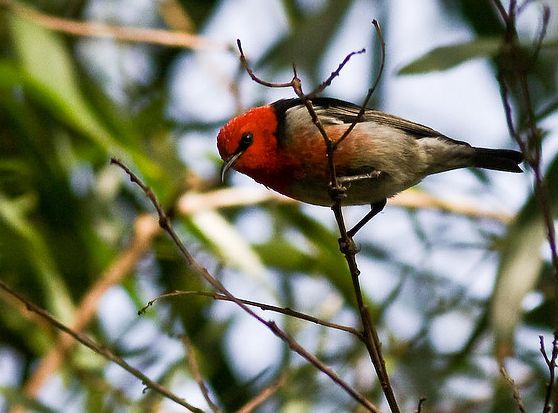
{"x": 347, "y": 246}
{"x": 353, "y": 178}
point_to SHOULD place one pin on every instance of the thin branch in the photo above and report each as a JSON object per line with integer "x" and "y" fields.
{"x": 99, "y": 349}
{"x": 266, "y": 307}
{"x": 515, "y": 390}
{"x": 145, "y": 230}
{"x": 531, "y": 146}
{"x": 165, "y": 224}
{"x": 349, "y": 249}
{"x": 542, "y": 33}
{"x": 195, "y": 369}
{"x": 337, "y": 193}
{"x": 551, "y": 364}
{"x": 261, "y": 397}
{"x": 421, "y": 402}
{"x": 326, "y": 83}
{"x": 120, "y": 33}
{"x": 246, "y": 65}
{"x": 371, "y": 90}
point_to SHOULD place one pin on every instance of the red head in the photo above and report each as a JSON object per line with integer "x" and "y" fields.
{"x": 248, "y": 143}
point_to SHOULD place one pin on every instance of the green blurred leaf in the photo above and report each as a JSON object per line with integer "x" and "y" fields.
{"x": 308, "y": 38}
{"x": 49, "y": 68}
{"x": 16, "y": 397}
{"x": 228, "y": 243}
{"x": 50, "y": 74}
{"x": 56, "y": 294}
{"x": 520, "y": 265}
{"x": 446, "y": 57}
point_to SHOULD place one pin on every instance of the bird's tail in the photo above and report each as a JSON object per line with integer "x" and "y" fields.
{"x": 498, "y": 159}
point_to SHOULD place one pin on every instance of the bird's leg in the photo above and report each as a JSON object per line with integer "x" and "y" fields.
{"x": 352, "y": 178}
{"x": 375, "y": 208}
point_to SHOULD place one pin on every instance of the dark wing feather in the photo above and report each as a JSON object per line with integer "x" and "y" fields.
{"x": 335, "y": 111}
{"x": 347, "y": 113}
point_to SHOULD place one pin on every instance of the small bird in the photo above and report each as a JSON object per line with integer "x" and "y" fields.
{"x": 280, "y": 147}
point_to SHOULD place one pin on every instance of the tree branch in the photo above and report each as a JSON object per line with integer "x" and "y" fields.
{"x": 165, "y": 224}
{"x": 99, "y": 349}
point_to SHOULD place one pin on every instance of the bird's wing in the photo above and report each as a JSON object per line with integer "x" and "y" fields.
{"x": 334, "y": 111}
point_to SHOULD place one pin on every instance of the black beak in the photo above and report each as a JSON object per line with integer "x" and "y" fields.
{"x": 229, "y": 163}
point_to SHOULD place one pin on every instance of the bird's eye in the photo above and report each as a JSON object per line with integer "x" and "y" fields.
{"x": 246, "y": 140}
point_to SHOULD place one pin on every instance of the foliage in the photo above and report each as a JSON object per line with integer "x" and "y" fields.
{"x": 74, "y": 238}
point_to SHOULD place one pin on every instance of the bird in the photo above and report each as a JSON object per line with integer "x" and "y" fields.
{"x": 279, "y": 146}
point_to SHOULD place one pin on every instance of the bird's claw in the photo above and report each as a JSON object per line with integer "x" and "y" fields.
{"x": 347, "y": 246}
{"x": 337, "y": 193}
{"x": 353, "y": 178}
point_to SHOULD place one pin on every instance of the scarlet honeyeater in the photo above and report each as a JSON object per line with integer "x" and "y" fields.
{"x": 280, "y": 147}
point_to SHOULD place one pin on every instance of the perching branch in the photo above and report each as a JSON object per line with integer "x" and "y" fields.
{"x": 166, "y": 225}
{"x": 337, "y": 192}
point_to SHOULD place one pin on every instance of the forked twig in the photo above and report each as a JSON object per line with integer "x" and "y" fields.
{"x": 551, "y": 364}
{"x": 531, "y": 145}
{"x": 263, "y": 306}
{"x": 348, "y": 247}
{"x": 165, "y": 224}
{"x": 99, "y": 349}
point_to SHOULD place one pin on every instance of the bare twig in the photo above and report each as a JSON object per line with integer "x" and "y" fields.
{"x": 421, "y": 402}
{"x": 246, "y": 65}
{"x": 334, "y": 74}
{"x": 262, "y": 396}
{"x": 371, "y": 91}
{"x": 263, "y": 306}
{"x": 551, "y": 364}
{"x": 165, "y": 224}
{"x": 515, "y": 390}
{"x": 195, "y": 369}
{"x": 348, "y": 247}
{"x": 99, "y": 349}
{"x": 125, "y": 34}
{"x": 144, "y": 231}
{"x": 513, "y": 70}
{"x": 350, "y": 250}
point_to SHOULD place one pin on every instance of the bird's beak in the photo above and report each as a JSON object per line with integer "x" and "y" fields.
{"x": 229, "y": 163}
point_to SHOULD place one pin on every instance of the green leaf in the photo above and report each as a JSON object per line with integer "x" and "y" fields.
{"x": 39, "y": 256}
{"x": 49, "y": 68}
{"x": 446, "y": 57}
{"x": 49, "y": 74}
{"x": 305, "y": 44}
{"x": 520, "y": 266}
{"x": 229, "y": 243}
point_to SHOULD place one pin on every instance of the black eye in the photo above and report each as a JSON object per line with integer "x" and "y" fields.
{"x": 246, "y": 140}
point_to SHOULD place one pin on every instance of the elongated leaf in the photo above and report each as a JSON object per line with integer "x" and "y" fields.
{"x": 49, "y": 74}
{"x": 446, "y": 57}
{"x": 228, "y": 243}
{"x": 520, "y": 266}
{"x": 49, "y": 67}
{"x": 40, "y": 258}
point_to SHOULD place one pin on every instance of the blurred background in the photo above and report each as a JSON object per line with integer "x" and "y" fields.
{"x": 456, "y": 272}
